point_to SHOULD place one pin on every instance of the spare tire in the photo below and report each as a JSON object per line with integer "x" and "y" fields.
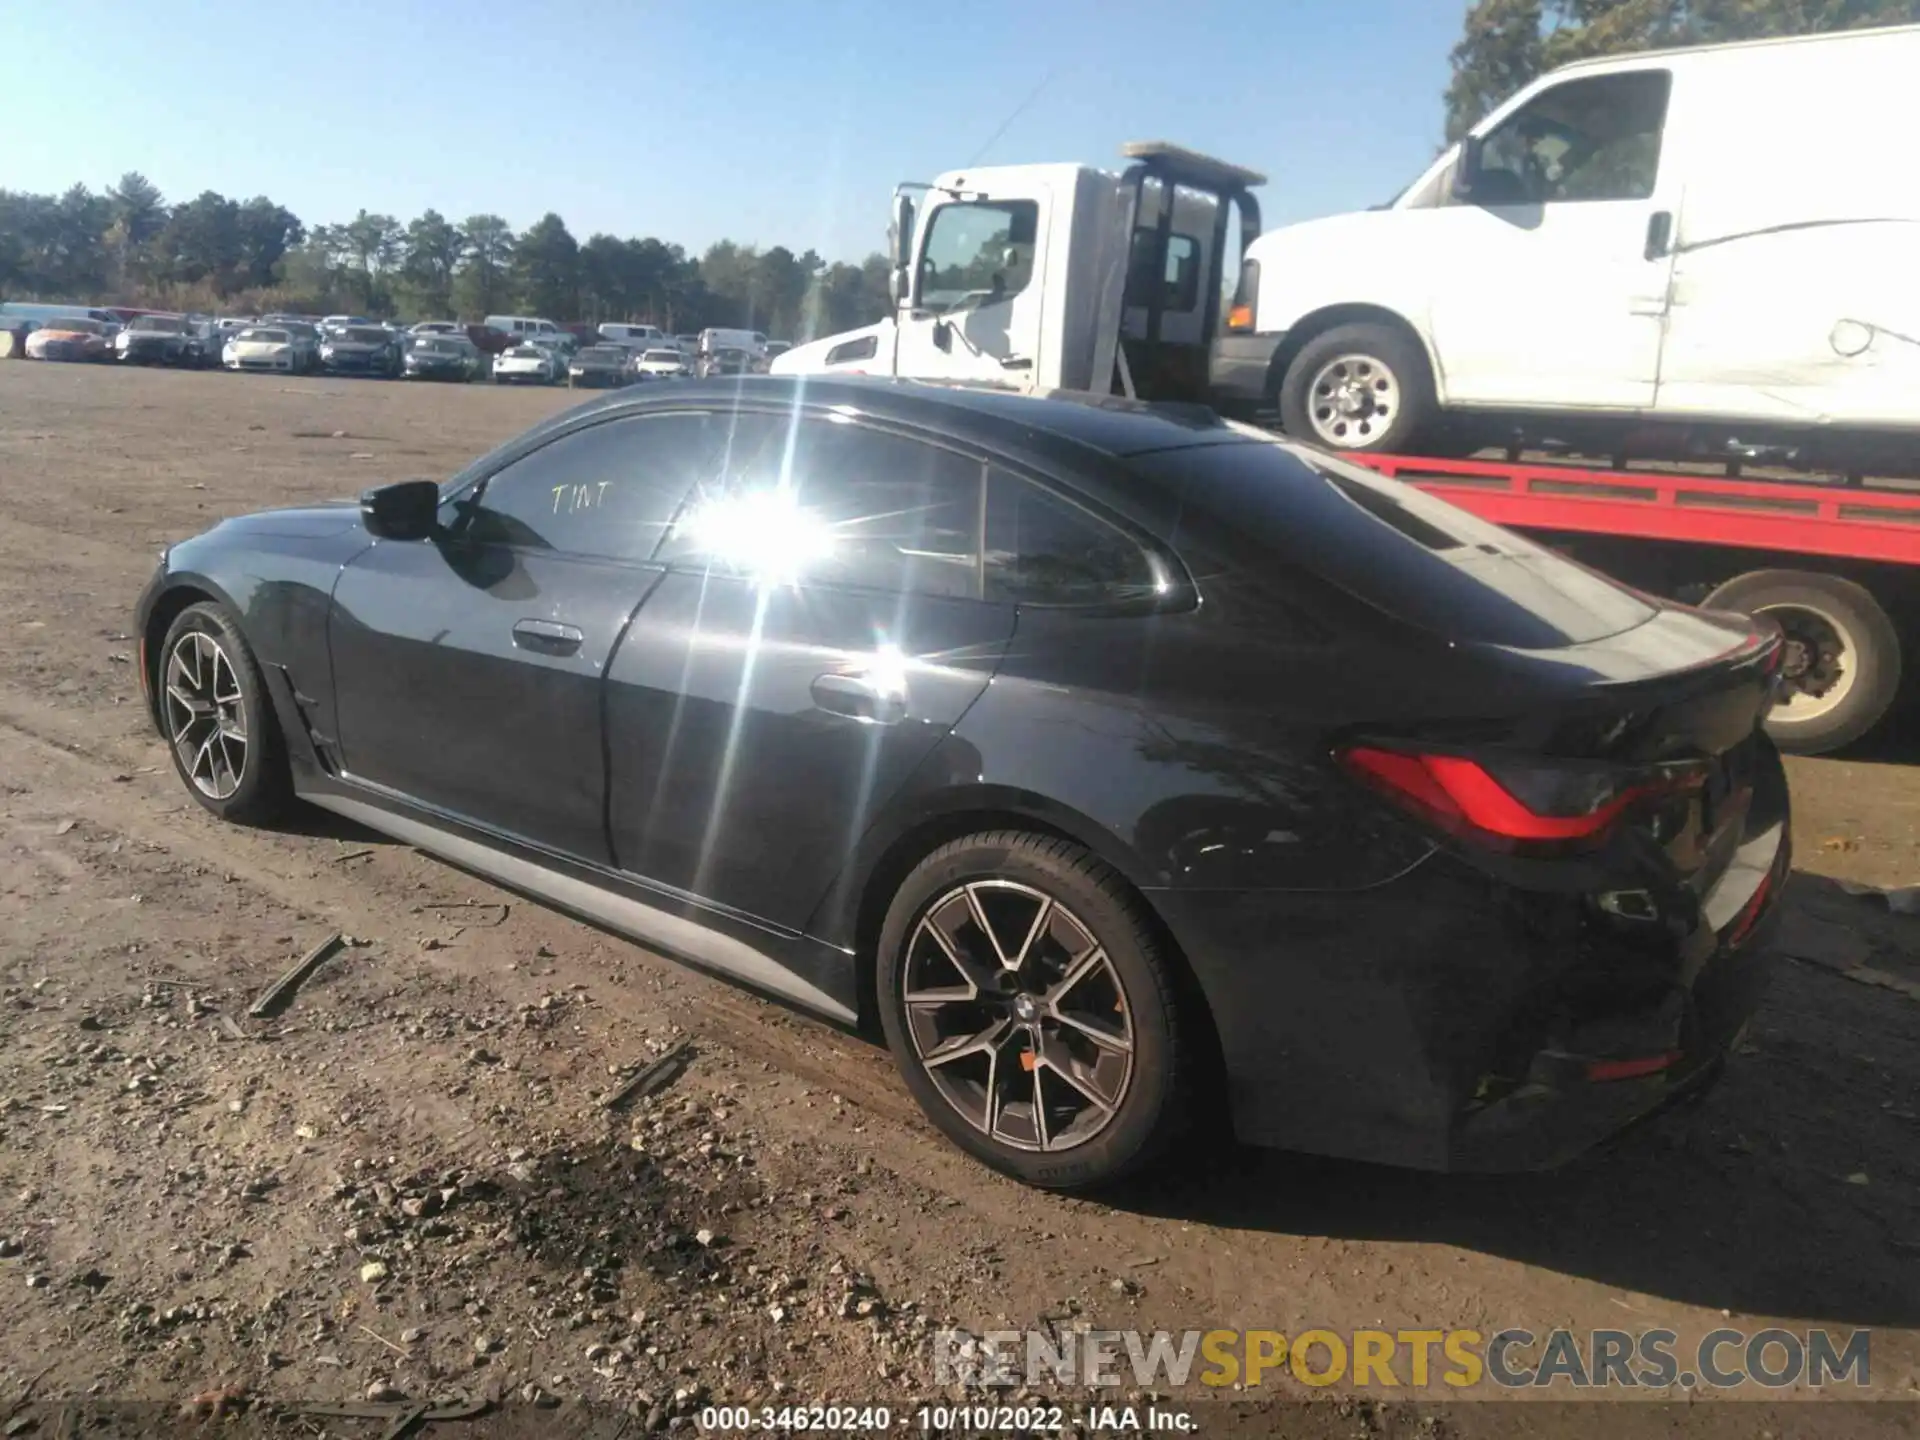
{"x": 1842, "y": 669}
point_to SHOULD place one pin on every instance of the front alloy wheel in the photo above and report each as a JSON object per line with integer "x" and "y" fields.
{"x": 214, "y": 712}
{"x": 206, "y": 718}
{"x": 1034, "y": 1011}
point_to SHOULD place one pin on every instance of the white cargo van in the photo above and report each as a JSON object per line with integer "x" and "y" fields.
{"x": 751, "y": 341}
{"x": 1710, "y": 234}
{"x": 637, "y": 337}
{"x": 525, "y": 327}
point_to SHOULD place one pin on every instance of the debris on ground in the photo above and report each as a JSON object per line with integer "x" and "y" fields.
{"x": 277, "y": 995}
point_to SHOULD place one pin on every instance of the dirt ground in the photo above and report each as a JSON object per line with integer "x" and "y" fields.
{"x": 406, "y": 1181}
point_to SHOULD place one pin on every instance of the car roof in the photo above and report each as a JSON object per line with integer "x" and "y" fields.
{"x": 1107, "y": 423}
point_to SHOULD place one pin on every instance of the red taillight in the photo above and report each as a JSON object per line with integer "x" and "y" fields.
{"x": 1632, "y": 1069}
{"x": 1570, "y": 809}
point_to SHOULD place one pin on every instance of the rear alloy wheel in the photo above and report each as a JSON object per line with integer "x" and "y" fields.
{"x": 1841, "y": 670}
{"x": 217, "y": 720}
{"x": 1357, "y": 387}
{"x": 1032, "y": 1011}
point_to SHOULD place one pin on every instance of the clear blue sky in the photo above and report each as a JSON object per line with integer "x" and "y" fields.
{"x": 765, "y": 121}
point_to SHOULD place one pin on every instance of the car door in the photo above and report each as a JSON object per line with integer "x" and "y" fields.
{"x": 469, "y": 667}
{"x": 1549, "y": 280}
{"x": 977, "y": 313}
{"x": 817, "y": 633}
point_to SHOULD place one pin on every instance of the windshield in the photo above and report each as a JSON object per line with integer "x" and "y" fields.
{"x": 159, "y": 325}
{"x": 436, "y": 347}
{"x": 526, "y": 352}
{"x": 1400, "y": 550}
{"x": 672, "y": 357}
{"x": 360, "y": 336}
{"x": 300, "y": 332}
{"x": 602, "y": 354}
{"x": 263, "y": 337}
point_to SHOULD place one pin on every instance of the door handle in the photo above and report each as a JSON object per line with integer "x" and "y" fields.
{"x": 860, "y": 698}
{"x": 549, "y": 637}
{"x": 1659, "y": 234}
{"x": 1017, "y": 362}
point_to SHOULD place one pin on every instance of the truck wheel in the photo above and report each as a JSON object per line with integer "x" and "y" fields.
{"x": 1357, "y": 387}
{"x": 1842, "y": 667}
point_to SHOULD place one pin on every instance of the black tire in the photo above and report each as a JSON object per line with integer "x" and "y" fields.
{"x": 263, "y": 787}
{"x": 1829, "y": 620}
{"x": 1389, "y": 352}
{"x": 1151, "y": 1100}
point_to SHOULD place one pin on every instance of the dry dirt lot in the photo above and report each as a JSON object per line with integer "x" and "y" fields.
{"x": 405, "y": 1181}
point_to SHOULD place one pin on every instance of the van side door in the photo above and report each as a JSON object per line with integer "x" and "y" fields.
{"x": 1550, "y": 258}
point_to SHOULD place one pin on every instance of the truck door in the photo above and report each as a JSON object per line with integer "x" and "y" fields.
{"x": 977, "y": 304}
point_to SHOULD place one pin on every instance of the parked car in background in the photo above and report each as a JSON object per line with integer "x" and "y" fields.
{"x": 442, "y": 357}
{"x": 662, "y": 363}
{"x": 725, "y": 361}
{"x": 262, "y": 347}
{"x": 604, "y": 366}
{"x": 165, "y": 340}
{"x": 305, "y": 339}
{"x": 333, "y": 324}
{"x": 777, "y": 348}
{"x": 439, "y": 327}
{"x": 361, "y": 350}
{"x": 528, "y": 364}
{"x": 688, "y": 345}
{"x": 71, "y": 338}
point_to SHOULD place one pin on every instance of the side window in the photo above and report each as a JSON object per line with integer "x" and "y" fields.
{"x": 1043, "y": 549}
{"x": 1592, "y": 139}
{"x": 978, "y": 253}
{"x": 865, "y": 348}
{"x": 609, "y": 490}
{"x": 837, "y": 504}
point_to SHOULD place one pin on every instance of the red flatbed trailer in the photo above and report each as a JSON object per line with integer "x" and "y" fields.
{"x": 1836, "y": 566}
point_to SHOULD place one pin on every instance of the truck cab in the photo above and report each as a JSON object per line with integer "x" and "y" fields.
{"x": 1047, "y": 277}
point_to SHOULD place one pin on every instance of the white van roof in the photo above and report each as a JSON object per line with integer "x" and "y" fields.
{"x": 1684, "y": 53}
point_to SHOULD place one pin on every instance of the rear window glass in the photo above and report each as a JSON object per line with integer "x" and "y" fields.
{"x": 1402, "y": 551}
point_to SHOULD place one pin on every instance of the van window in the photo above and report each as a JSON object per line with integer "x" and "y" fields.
{"x": 1596, "y": 138}
{"x": 978, "y": 253}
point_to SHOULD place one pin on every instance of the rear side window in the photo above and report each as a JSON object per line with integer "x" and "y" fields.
{"x": 1043, "y": 549}
{"x": 609, "y": 490}
{"x": 1399, "y": 550}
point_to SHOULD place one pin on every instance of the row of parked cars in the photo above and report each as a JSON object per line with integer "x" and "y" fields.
{"x": 507, "y": 349}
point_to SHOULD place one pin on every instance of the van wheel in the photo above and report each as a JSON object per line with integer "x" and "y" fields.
{"x": 1358, "y": 387}
{"x": 1032, "y": 1011}
{"x": 1842, "y": 667}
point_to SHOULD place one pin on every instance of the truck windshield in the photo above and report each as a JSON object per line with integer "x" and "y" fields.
{"x": 1398, "y": 549}
{"x": 978, "y": 252}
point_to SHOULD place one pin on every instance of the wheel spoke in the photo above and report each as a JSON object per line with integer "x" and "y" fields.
{"x": 1048, "y": 1054}
{"x": 1034, "y": 932}
{"x": 985, "y": 1043}
{"x": 976, "y": 976}
{"x": 979, "y": 913}
{"x": 1106, "y": 1039}
{"x": 1040, "y": 1109}
{"x": 1078, "y": 969}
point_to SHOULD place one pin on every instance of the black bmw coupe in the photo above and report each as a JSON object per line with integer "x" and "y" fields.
{"x": 1124, "y": 766}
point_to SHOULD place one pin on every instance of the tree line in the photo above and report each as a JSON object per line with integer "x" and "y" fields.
{"x": 1507, "y": 43}
{"x": 128, "y": 245}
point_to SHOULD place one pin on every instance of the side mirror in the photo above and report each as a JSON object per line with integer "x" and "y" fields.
{"x": 1466, "y": 168}
{"x": 405, "y": 510}
{"x": 900, "y": 236}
